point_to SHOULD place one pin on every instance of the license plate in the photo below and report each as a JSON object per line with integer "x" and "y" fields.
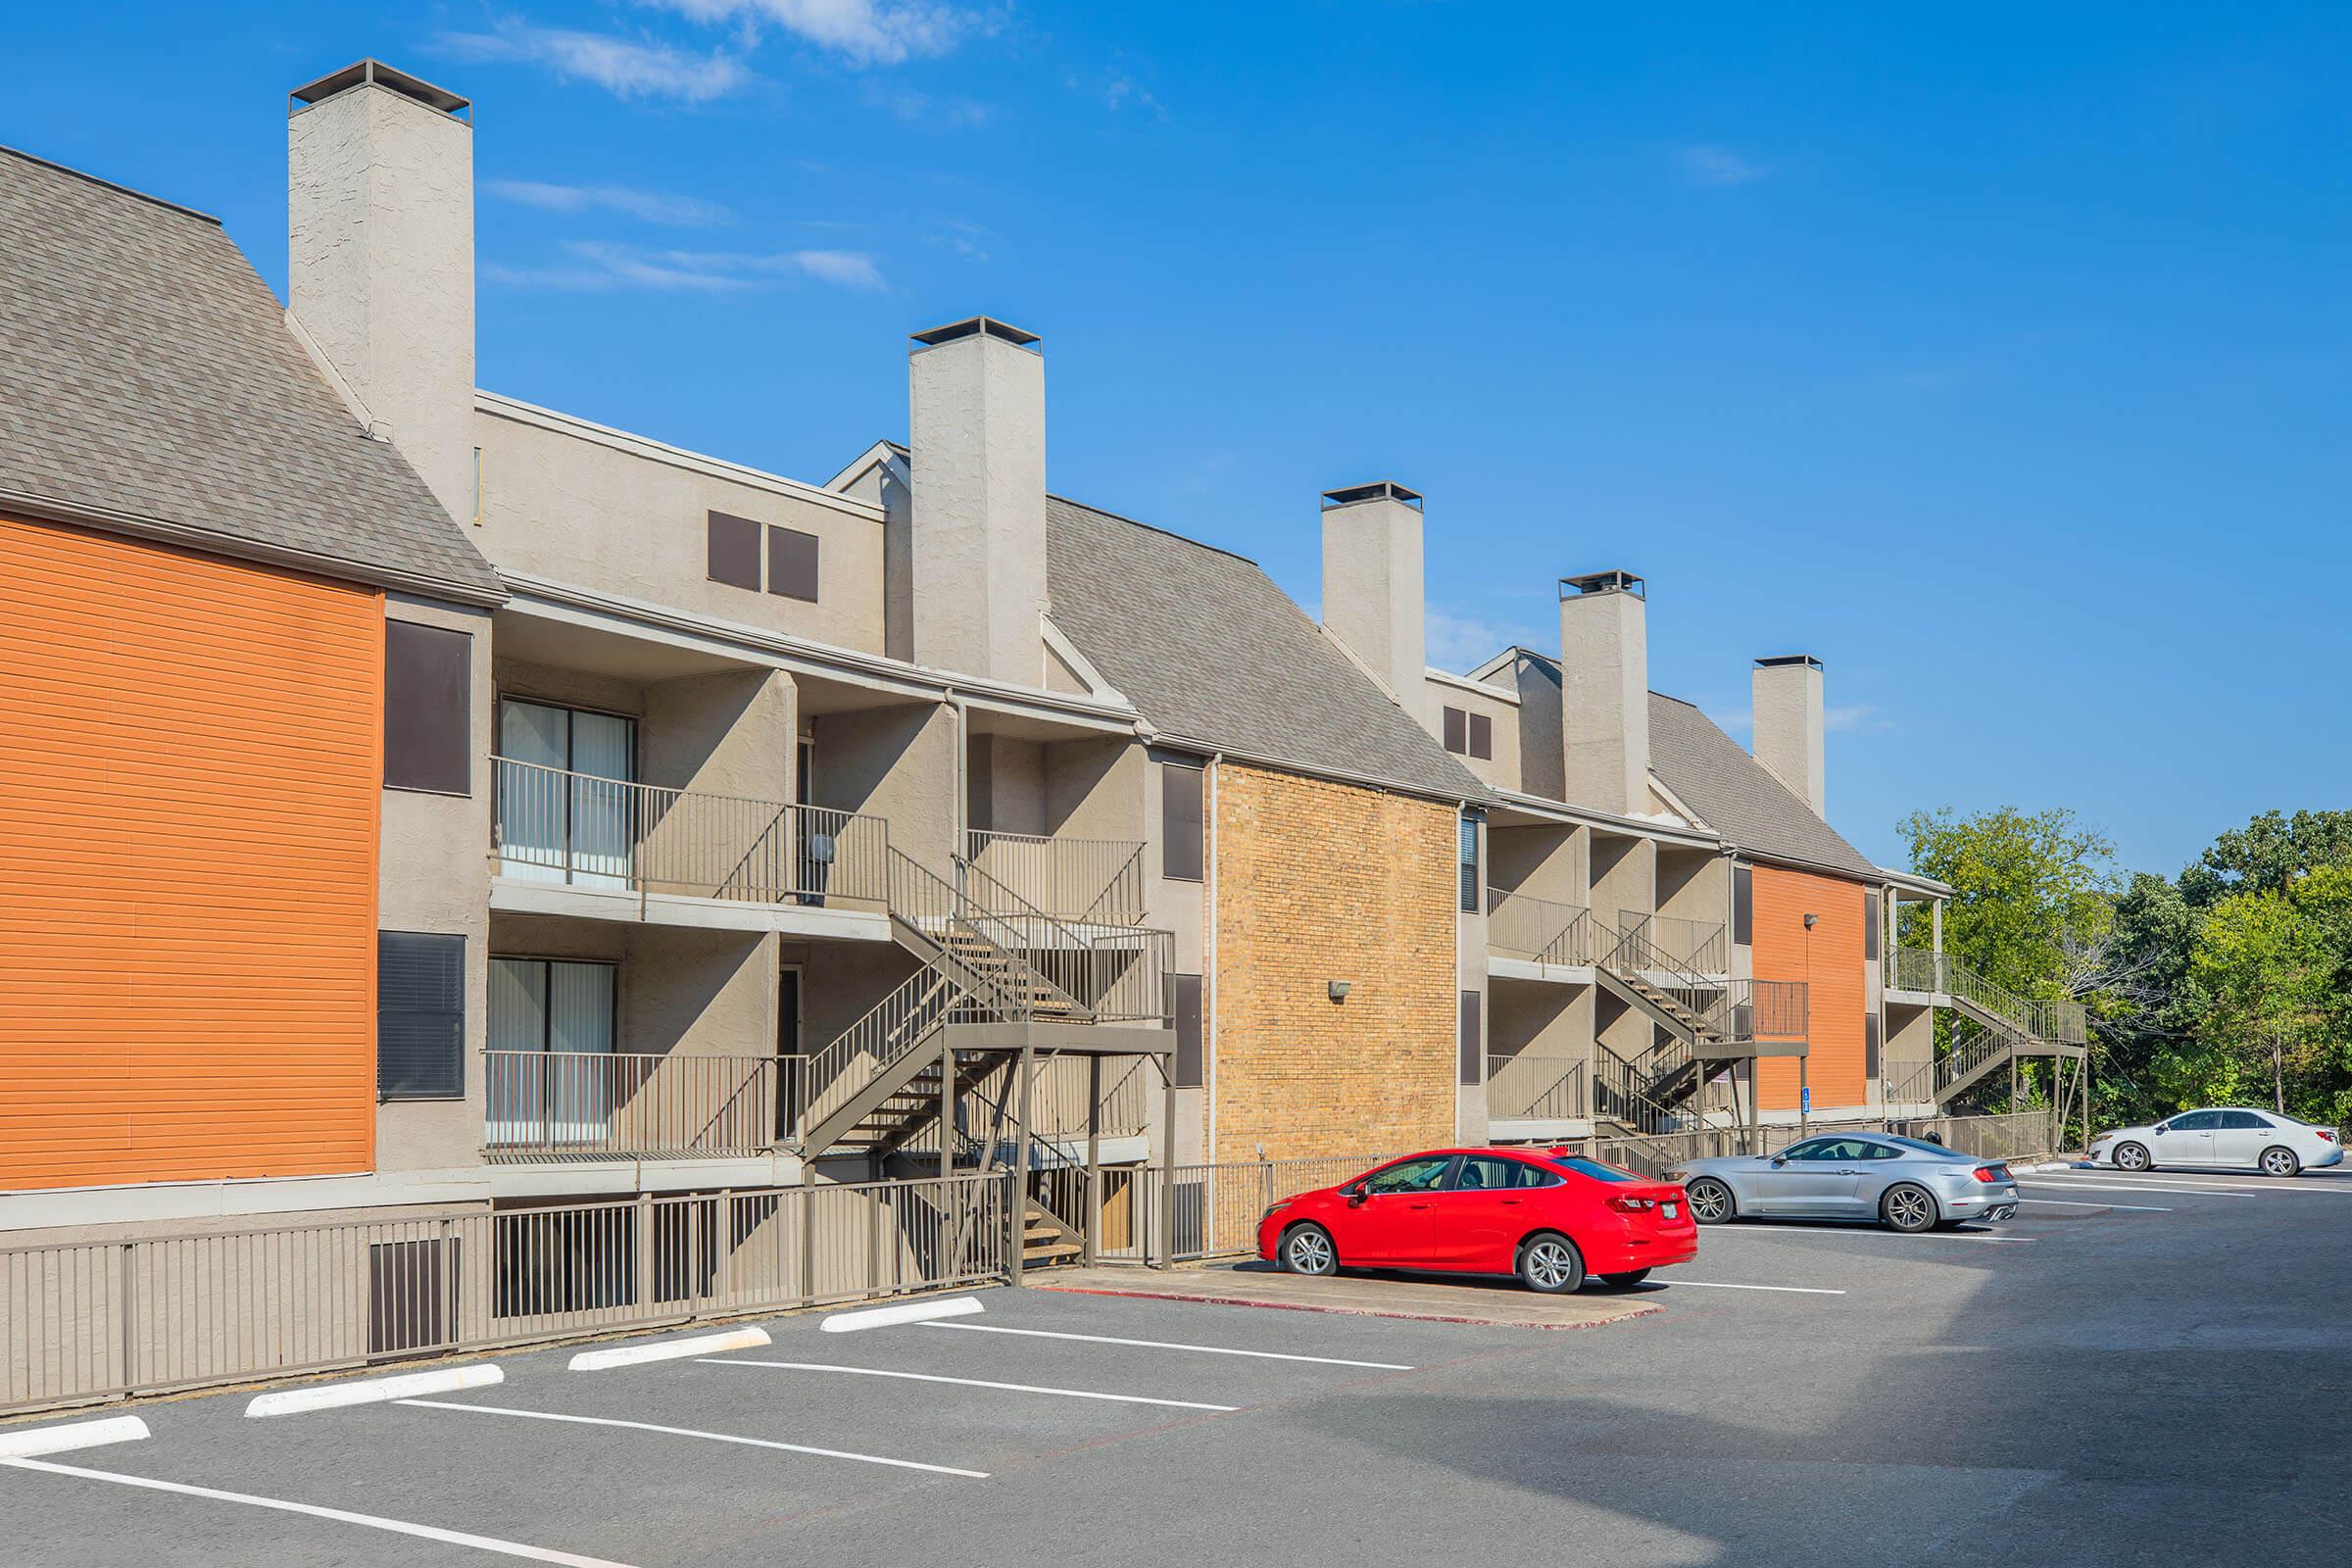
{"x": 1674, "y": 1210}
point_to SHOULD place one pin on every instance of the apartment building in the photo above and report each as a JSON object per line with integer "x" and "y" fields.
{"x": 562, "y": 814}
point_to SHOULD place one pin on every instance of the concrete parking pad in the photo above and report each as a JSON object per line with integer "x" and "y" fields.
{"x": 1358, "y": 1294}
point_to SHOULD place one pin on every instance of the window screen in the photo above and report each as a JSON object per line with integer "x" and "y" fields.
{"x": 1744, "y": 904}
{"x": 1872, "y": 915}
{"x": 792, "y": 563}
{"x": 1469, "y": 856}
{"x": 1870, "y": 1044}
{"x": 1188, "y": 1030}
{"x": 420, "y": 1016}
{"x": 1474, "y": 1057}
{"x": 1457, "y": 730}
{"x": 1181, "y": 847}
{"x": 734, "y": 551}
{"x": 1482, "y": 737}
{"x": 428, "y": 708}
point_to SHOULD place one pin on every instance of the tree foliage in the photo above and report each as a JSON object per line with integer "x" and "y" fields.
{"x": 2033, "y": 894}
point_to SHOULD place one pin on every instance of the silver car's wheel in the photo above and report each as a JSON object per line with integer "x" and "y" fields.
{"x": 1307, "y": 1250}
{"x": 1551, "y": 1263}
{"x": 2132, "y": 1156}
{"x": 1907, "y": 1207}
{"x": 1711, "y": 1201}
{"x": 2280, "y": 1162}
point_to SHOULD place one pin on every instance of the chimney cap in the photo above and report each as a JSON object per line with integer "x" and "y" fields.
{"x": 1784, "y": 661}
{"x": 1382, "y": 490}
{"x": 976, "y": 326}
{"x": 1603, "y": 582}
{"x": 376, "y": 71}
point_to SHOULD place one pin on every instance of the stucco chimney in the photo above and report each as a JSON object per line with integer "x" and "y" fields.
{"x": 976, "y": 393}
{"x": 380, "y": 234}
{"x": 1604, "y": 691}
{"x": 1789, "y": 725}
{"x": 1372, "y": 584}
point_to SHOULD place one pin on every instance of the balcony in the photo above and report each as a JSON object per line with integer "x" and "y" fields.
{"x": 1083, "y": 881}
{"x": 546, "y": 1107}
{"x": 1548, "y": 1088}
{"x": 1538, "y": 931}
{"x": 1700, "y": 947}
{"x": 567, "y": 842}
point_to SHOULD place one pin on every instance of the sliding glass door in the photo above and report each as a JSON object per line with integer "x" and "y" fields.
{"x": 567, "y": 803}
{"x": 553, "y": 1073}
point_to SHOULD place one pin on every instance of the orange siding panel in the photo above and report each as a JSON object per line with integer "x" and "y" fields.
{"x": 190, "y": 769}
{"x": 1829, "y": 960}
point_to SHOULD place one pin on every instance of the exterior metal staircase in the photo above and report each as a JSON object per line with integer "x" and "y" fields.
{"x": 2007, "y": 1027}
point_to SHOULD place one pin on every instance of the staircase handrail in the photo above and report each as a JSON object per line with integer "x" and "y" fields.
{"x": 1706, "y": 998}
{"x": 898, "y": 1023}
{"x": 918, "y": 893}
{"x": 2041, "y": 1021}
{"x": 1145, "y": 976}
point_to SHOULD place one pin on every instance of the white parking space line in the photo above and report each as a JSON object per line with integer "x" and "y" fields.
{"x": 398, "y": 1527}
{"x": 1170, "y": 1344}
{"x": 883, "y": 1317}
{"x": 2060, "y": 1202}
{"x": 1786, "y": 1290}
{"x": 2055, "y": 1185}
{"x": 373, "y": 1391}
{"x": 668, "y": 1349}
{"x": 969, "y": 1383}
{"x": 707, "y": 1437}
{"x": 29, "y": 1442}
{"x": 2194, "y": 1182}
{"x": 1872, "y": 1233}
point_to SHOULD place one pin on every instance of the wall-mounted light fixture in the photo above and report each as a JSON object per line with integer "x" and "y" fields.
{"x": 1338, "y": 990}
{"x": 1810, "y": 919}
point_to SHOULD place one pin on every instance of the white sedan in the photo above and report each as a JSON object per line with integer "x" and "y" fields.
{"x": 2260, "y": 1139}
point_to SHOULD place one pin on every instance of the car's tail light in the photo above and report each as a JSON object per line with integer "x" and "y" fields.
{"x": 1632, "y": 1206}
{"x": 2324, "y": 1133}
{"x": 1990, "y": 1173}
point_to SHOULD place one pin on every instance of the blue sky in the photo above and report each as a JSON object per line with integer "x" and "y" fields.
{"x": 1998, "y": 358}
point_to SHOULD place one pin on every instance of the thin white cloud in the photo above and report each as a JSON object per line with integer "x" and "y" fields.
{"x": 864, "y": 32}
{"x": 924, "y": 109}
{"x": 1706, "y": 165}
{"x": 625, "y": 67}
{"x": 1856, "y": 718}
{"x": 608, "y": 266}
{"x": 1460, "y": 643}
{"x": 654, "y": 206}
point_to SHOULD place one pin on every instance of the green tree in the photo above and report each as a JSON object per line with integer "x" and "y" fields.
{"x": 2033, "y": 894}
{"x": 2267, "y": 854}
{"x": 2268, "y": 968}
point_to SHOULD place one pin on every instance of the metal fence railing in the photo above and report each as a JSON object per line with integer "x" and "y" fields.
{"x": 2065, "y": 1023}
{"x": 1211, "y": 1211}
{"x": 96, "y": 1321}
{"x": 1084, "y": 881}
{"x": 542, "y": 1105}
{"x": 2011, "y": 1135}
{"x": 1702, "y": 947}
{"x": 1058, "y": 1097}
{"x": 1522, "y": 926}
{"x": 1541, "y": 1088}
{"x": 551, "y": 825}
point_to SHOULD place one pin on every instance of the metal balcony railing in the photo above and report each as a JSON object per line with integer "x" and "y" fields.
{"x": 551, "y": 825}
{"x": 558, "y": 1104}
{"x": 1522, "y": 926}
{"x": 2065, "y": 1023}
{"x": 1700, "y": 947}
{"x": 1086, "y": 881}
{"x": 1538, "y": 1088}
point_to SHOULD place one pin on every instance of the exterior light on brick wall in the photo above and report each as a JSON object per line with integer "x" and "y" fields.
{"x": 1338, "y": 990}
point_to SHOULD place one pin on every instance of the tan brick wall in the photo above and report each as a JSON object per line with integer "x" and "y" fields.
{"x": 1318, "y": 882}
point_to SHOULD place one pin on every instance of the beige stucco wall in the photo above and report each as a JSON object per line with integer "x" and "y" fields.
{"x": 1694, "y": 884}
{"x": 434, "y": 875}
{"x": 1318, "y": 882}
{"x": 631, "y": 520}
{"x": 898, "y": 762}
{"x": 1546, "y": 861}
{"x": 680, "y": 989}
{"x": 1501, "y": 770}
{"x": 1624, "y": 874}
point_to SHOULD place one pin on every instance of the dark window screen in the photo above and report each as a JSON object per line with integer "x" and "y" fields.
{"x": 1468, "y": 854}
{"x": 1482, "y": 737}
{"x": 420, "y": 1016}
{"x": 1473, "y": 1043}
{"x": 1457, "y": 730}
{"x": 792, "y": 563}
{"x": 1744, "y": 904}
{"x": 1870, "y": 1044}
{"x": 1181, "y": 848}
{"x": 734, "y": 551}
{"x": 428, "y": 708}
{"x": 1872, "y": 914}
{"x": 1188, "y": 1030}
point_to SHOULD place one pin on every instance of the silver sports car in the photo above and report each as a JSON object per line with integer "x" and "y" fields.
{"x": 1903, "y": 1183}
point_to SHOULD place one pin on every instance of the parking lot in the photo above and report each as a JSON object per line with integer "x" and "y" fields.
{"x": 2139, "y": 1369}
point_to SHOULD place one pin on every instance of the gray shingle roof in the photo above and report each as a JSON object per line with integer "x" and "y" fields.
{"x": 148, "y": 374}
{"x": 1211, "y": 651}
{"x": 1736, "y": 795}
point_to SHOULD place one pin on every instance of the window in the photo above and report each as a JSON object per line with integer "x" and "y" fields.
{"x": 1473, "y": 1041}
{"x": 1593, "y": 1168}
{"x": 1466, "y": 852}
{"x": 1828, "y": 1150}
{"x": 2196, "y": 1121}
{"x": 792, "y": 563}
{"x": 2243, "y": 1122}
{"x": 1481, "y": 1173}
{"x": 1744, "y": 904}
{"x": 1870, "y": 1044}
{"x": 1424, "y": 1175}
{"x": 1810, "y": 1149}
{"x": 1873, "y": 918}
{"x": 1482, "y": 737}
{"x": 1457, "y": 731}
{"x": 420, "y": 1016}
{"x": 1189, "y": 1067}
{"x": 567, "y": 803}
{"x": 428, "y": 708}
{"x": 1182, "y": 851}
{"x": 734, "y": 551}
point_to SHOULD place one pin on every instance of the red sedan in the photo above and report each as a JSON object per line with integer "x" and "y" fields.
{"x": 1548, "y": 1216}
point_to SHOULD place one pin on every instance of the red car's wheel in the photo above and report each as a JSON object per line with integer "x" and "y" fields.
{"x": 1550, "y": 1262}
{"x": 1307, "y": 1250}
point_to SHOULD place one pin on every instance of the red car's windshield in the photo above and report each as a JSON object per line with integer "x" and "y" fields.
{"x": 1593, "y": 1168}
